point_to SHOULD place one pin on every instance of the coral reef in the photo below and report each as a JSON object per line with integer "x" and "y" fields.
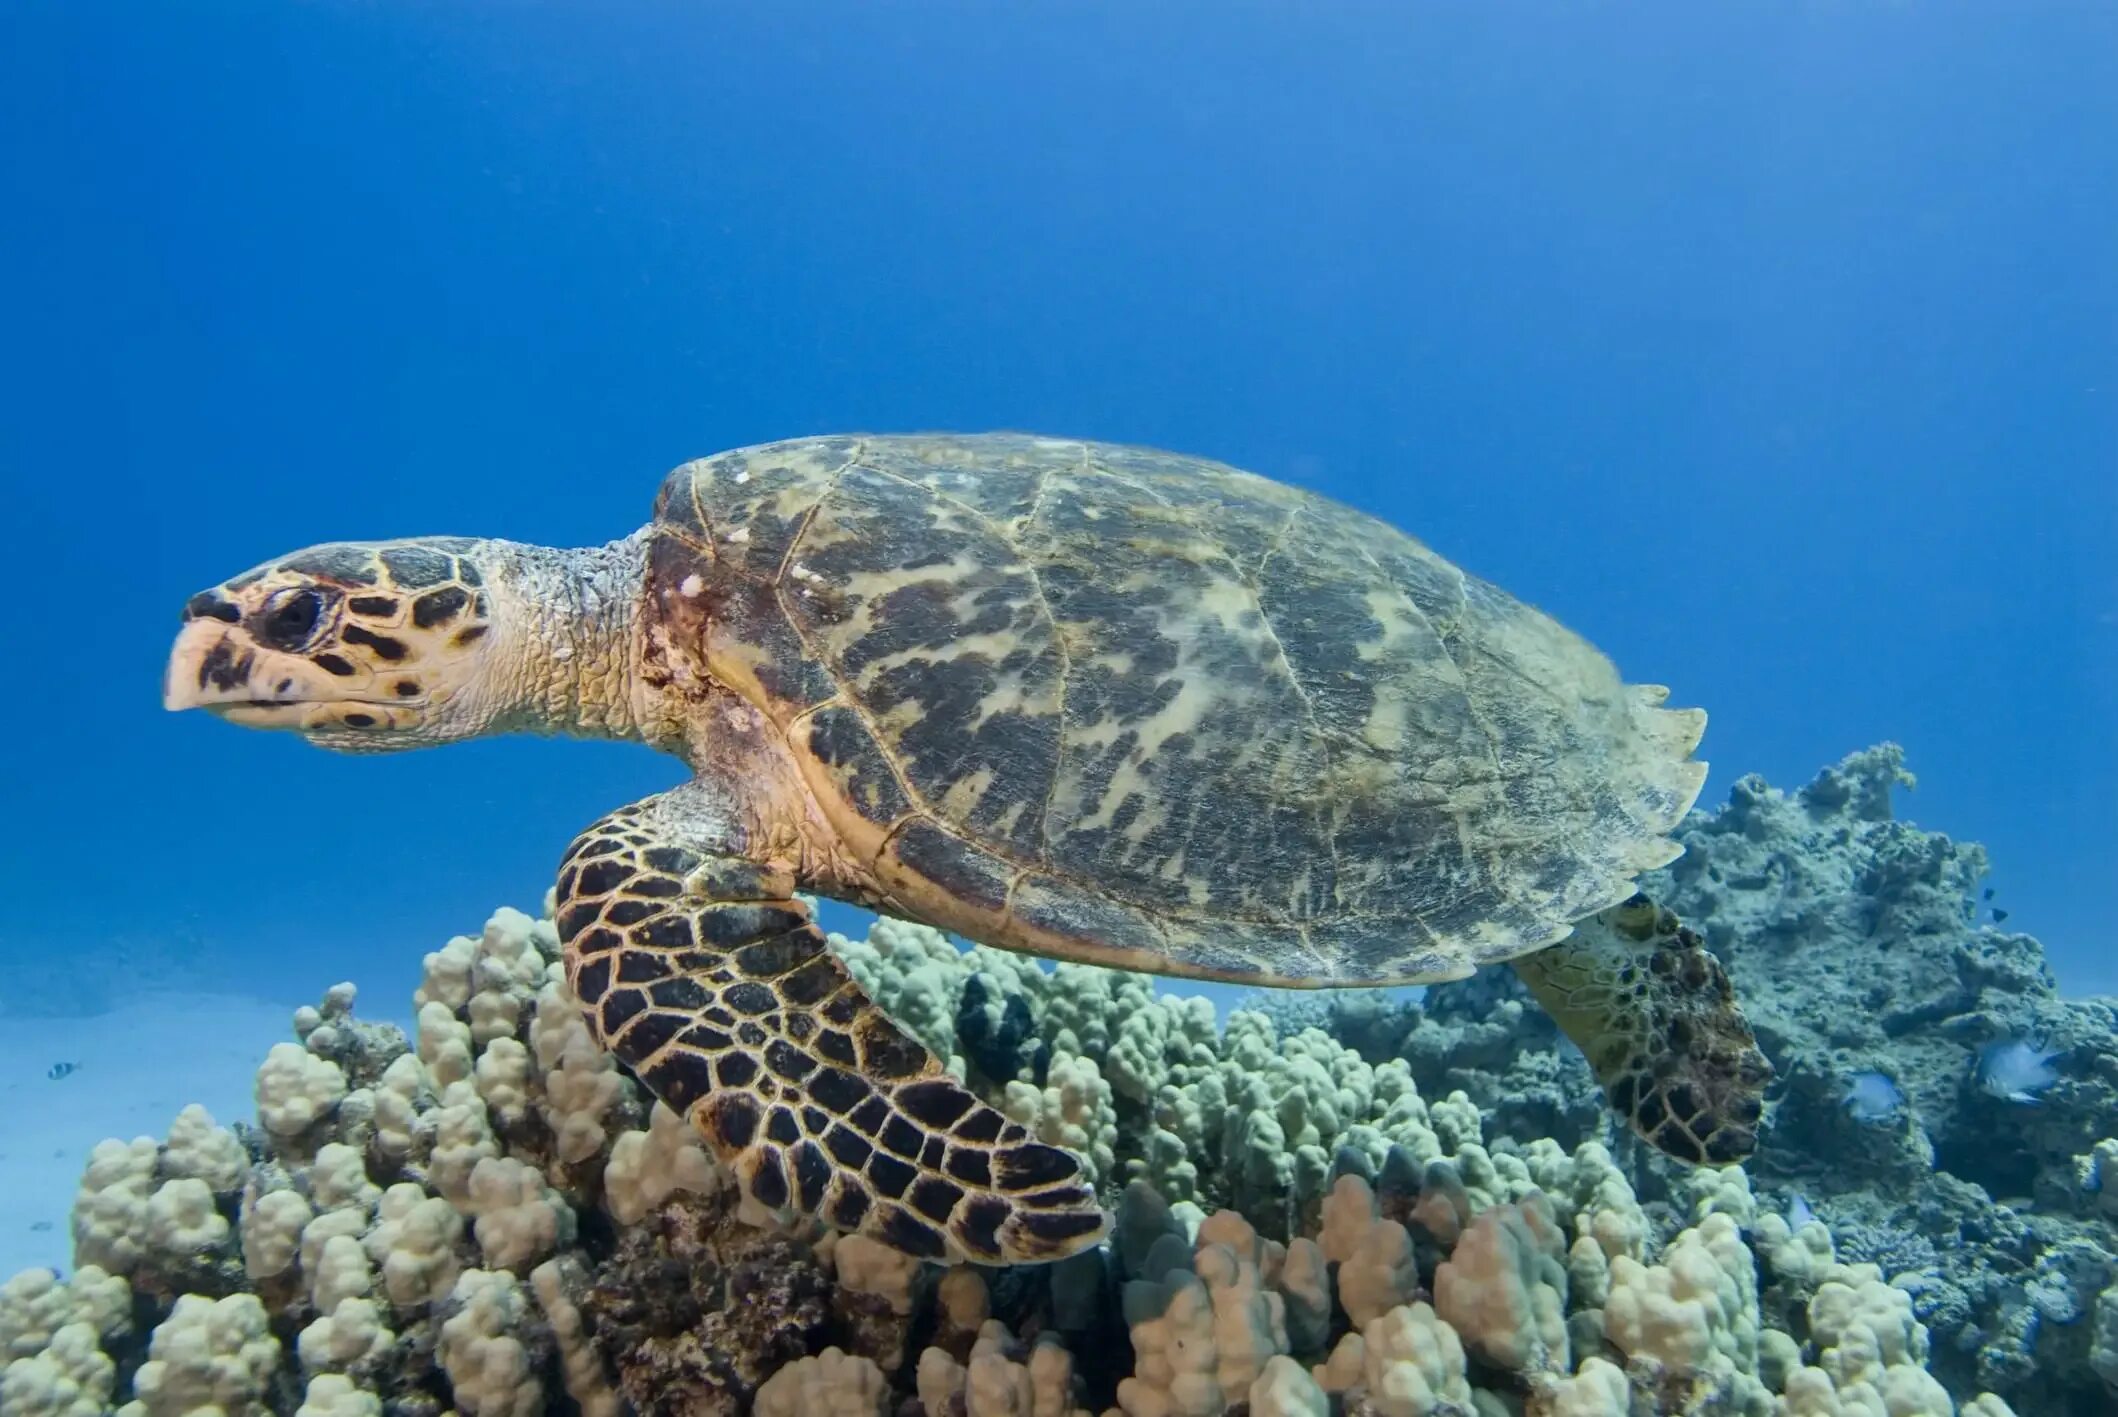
{"x": 1363, "y": 1204}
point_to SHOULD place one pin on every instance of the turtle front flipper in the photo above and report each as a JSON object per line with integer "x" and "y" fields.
{"x": 1653, "y": 1010}
{"x": 699, "y": 969}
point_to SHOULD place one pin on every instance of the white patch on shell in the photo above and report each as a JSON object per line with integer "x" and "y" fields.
{"x": 692, "y": 585}
{"x": 737, "y": 537}
{"x": 741, "y": 478}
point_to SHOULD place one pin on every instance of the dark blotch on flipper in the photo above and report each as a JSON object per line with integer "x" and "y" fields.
{"x": 937, "y": 1102}
{"x": 849, "y": 1147}
{"x": 620, "y": 1008}
{"x": 648, "y": 1037}
{"x": 789, "y": 1062}
{"x": 603, "y": 876}
{"x": 769, "y": 958}
{"x": 733, "y": 926}
{"x": 1059, "y": 1229}
{"x": 935, "y": 1198}
{"x": 902, "y": 1137}
{"x": 890, "y": 1175}
{"x": 983, "y": 1125}
{"x": 979, "y": 1227}
{"x": 686, "y": 994}
{"x": 1057, "y": 1198}
{"x": 1674, "y": 1140}
{"x": 681, "y": 1079}
{"x": 673, "y": 860}
{"x": 888, "y": 1052}
{"x": 851, "y": 1207}
{"x": 1730, "y": 1145}
{"x": 768, "y": 1184}
{"x": 592, "y": 980}
{"x": 623, "y": 913}
{"x": 734, "y": 1118}
{"x": 641, "y": 967}
{"x": 670, "y": 932}
{"x": 812, "y": 1172}
{"x": 870, "y": 1115}
{"x": 812, "y": 981}
{"x": 837, "y": 1089}
{"x": 1623, "y": 1094}
{"x": 970, "y": 1167}
{"x": 914, "y": 1237}
{"x": 1034, "y": 1164}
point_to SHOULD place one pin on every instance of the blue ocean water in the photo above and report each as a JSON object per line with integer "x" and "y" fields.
{"x": 1774, "y": 348}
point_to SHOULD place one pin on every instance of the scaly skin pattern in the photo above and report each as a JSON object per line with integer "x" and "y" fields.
{"x": 1654, "y": 1012}
{"x": 1093, "y": 702}
{"x": 699, "y": 969}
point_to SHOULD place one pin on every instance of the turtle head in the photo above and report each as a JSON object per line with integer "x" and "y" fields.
{"x": 371, "y": 646}
{"x": 358, "y": 646}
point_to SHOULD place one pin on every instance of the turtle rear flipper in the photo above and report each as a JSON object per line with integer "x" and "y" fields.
{"x": 699, "y": 969}
{"x": 1653, "y": 1010}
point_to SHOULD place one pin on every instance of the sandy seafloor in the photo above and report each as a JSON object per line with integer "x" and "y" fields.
{"x": 138, "y": 1066}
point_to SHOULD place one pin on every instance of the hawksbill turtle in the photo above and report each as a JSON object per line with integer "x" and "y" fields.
{"x": 1092, "y": 702}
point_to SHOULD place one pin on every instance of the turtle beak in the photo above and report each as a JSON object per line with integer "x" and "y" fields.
{"x": 209, "y": 665}
{"x": 214, "y": 665}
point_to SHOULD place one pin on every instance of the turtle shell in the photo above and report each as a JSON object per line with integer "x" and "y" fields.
{"x": 1112, "y": 704}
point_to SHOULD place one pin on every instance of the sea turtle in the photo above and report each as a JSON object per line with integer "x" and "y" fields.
{"x": 1092, "y": 702}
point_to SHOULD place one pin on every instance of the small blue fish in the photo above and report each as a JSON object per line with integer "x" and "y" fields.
{"x": 1798, "y": 1213}
{"x": 2015, "y": 1069}
{"x": 61, "y": 1070}
{"x": 1872, "y": 1097}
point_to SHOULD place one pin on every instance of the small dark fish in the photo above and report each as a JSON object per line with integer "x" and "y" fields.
{"x": 60, "y": 1070}
{"x": 1999, "y": 915}
{"x": 1989, "y": 893}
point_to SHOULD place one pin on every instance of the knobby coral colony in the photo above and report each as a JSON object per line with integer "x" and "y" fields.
{"x": 1338, "y": 1204}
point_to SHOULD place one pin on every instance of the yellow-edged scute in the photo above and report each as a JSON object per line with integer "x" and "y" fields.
{"x": 1111, "y": 704}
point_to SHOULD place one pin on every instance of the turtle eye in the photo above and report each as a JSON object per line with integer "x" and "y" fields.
{"x": 290, "y": 618}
